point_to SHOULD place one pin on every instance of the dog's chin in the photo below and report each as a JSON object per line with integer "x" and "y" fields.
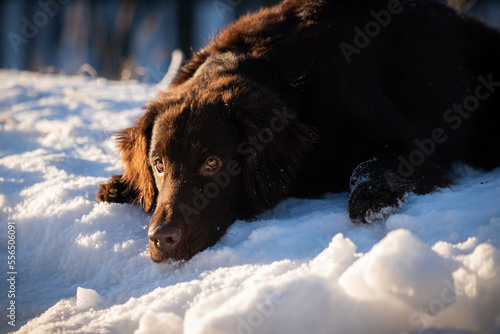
{"x": 176, "y": 254}
{"x": 187, "y": 248}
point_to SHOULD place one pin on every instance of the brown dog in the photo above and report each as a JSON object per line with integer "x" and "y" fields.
{"x": 379, "y": 97}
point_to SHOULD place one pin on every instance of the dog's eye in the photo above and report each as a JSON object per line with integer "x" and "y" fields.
{"x": 211, "y": 165}
{"x": 212, "y": 162}
{"x": 159, "y": 166}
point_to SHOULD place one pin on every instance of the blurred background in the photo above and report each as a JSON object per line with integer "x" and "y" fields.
{"x": 128, "y": 39}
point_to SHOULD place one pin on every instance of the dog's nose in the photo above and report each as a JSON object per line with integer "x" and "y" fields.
{"x": 165, "y": 237}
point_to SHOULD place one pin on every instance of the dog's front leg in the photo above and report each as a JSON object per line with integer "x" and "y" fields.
{"x": 378, "y": 188}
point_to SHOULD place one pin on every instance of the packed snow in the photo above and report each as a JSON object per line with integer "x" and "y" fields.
{"x": 84, "y": 267}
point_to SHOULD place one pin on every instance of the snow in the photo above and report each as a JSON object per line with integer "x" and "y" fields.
{"x": 84, "y": 267}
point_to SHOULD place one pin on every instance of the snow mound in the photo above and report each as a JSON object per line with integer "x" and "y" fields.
{"x": 84, "y": 267}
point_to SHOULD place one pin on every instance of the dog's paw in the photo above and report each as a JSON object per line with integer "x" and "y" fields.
{"x": 374, "y": 194}
{"x": 371, "y": 203}
{"x": 112, "y": 191}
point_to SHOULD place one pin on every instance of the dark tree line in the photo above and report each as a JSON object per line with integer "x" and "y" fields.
{"x": 123, "y": 39}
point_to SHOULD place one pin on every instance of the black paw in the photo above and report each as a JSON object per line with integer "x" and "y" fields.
{"x": 375, "y": 194}
{"x": 371, "y": 202}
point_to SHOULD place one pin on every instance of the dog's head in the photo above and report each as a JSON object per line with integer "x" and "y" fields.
{"x": 206, "y": 153}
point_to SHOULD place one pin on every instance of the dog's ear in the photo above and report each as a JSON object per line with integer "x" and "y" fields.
{"x": 274, "y": 145}
{"x": 189, "y": 67}
{"x": 134, "y": 146}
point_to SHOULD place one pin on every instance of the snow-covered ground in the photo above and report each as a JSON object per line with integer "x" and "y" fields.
{"x": 433, "y": 267}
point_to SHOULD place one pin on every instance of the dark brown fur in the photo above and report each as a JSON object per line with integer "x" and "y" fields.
{"x": 271, "y": 108}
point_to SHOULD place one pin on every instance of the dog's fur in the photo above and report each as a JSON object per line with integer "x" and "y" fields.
{"x": 278, "y": 105}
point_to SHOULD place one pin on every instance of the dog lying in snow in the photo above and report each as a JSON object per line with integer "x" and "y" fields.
{"x": 307, "y": 97}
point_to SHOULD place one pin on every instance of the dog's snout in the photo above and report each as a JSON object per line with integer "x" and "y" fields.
{"x": 165, "y": 237}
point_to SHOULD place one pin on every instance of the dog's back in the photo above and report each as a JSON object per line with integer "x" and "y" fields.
{"x": 374, "y": 74}
{"x": 394, "y": 81}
